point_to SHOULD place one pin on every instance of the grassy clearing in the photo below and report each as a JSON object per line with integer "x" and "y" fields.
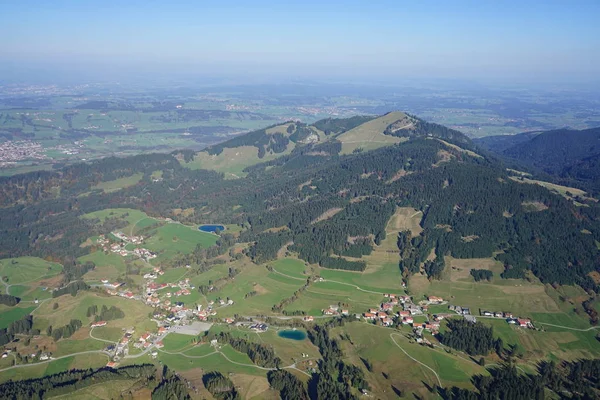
{"x": 57, "y": 366}
{"x": 69, "y": 307}
{"x": 375, "y": 345}
{"x": 565, "y": 191}
{"x": 129, "y": 215}
{"x": 270, "y": 288}
{"x": 27, "y": 269}
{"x": 171, "y": 239}
{"x": 517, "y": 296}
{"x": 101, "y": 391}
{"x": 291, "y": 267}
{"x": 232, "y": 161}
{"x": 213, "y": 362}
{"x": 175, "y": 342}
{"x": 11, "y": 314}
{"x": 118, "y": 184}
{"x": 108, "y": 266}
{"x": 459, "y": 269}
{"x": 369, "y": 136}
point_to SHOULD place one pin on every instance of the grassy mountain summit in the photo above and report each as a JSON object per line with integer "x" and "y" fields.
{"x": 359, "y": 133}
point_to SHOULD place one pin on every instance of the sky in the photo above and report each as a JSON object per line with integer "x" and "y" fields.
{"x": 451, "y": 39}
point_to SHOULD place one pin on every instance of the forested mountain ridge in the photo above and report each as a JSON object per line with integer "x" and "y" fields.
{"x": 293, "y": 135}
{"x": 462, "y": 194}
{"x": 564, "y": 153}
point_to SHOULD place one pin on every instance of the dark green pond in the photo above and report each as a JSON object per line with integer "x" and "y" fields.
{"x": 211, "y": 228}
{"x": 292, "y": 334}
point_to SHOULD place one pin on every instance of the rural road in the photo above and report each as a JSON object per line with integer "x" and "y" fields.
{"x": 57, "y": 358}
{"x": 414, "y": 359}
{"x": 329, "y": 280}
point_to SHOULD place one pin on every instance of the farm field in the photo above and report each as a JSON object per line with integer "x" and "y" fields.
{"x": 69, "y": 307}
{"x": 131, "y": 216}
{"x": 376, "y": 344}
{"x": 369, "y": 136}
{"x": 171, "y": 239}
{"x": 27, "y": 269}
{"x": 118, "y": 184}
{"x": 233, "y": 161}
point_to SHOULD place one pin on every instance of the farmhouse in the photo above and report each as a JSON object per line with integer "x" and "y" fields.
{"x": 407, "y": 320}
{"x": 98, "y": 323}
{"x": 524, "y": 323}
{"x": 369, "y": 315}
{"x": 435, "y": 299}
{"x": 309, "y": 318}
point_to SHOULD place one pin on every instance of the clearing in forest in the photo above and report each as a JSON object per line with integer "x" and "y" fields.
{"x": 369, "y": 136}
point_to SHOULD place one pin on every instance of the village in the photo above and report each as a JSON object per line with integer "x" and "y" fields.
{"x": 385, "y": 315}
{"x": 121, "y": 247}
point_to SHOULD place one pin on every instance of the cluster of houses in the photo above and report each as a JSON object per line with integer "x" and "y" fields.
{"x": 335, "y": 310}
{"x": 129, "y": 239}
{"x": 506, "y": 315}
{"x": 147, "y": 339}
{"x": 119, "y": 248}
{"x": 385, "y": 313}
{"x": 259, "y": 327}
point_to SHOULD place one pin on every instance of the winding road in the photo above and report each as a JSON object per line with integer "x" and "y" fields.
{"x": 415, "y": 360}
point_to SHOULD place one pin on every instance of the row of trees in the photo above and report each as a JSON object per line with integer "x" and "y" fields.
{"x": 260, "y": 354}
{"x": 64, "y": 332}
{"x": 73, "y": 380}
{"x": 106, "y": 313}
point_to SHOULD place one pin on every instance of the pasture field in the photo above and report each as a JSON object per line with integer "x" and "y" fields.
{"x": 212, "y": 362}
{"x": 69, "y": 307}
{"x": 376, "y": 344}
{"x": 9, "y": 315}
{"x": 270, "y": 289}
{"x": 233, "y": 161}
{"x": 31, "y": 292}
{"x": 108, "y": 266}
{"x": 61, "y": 365}
{"x": 171, "y": 239}
{"x": 175, "y": 342}
{"x": 27, "y": 269}
{"x": 518, "y": 296}
{"x": 129, "y": 215}
{"x": 562, "y": 190}
{"x": 101, "y": 391}
{"x": 118, "y": 184}
{"x": 291, "y": 267}
{"x": 369, "y": 136}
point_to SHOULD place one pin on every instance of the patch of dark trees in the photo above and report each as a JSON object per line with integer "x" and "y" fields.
{"x": 23, "y": 326}
{"x": 9, "y": 300}
{"x": 106, "y": 313}
{"x": 220, "y": 386}
{"x": 72, "y": 288}
{"x": 472, "y": 338}
{"x": 260, "y": 354}
{"x": 482, "y": 274}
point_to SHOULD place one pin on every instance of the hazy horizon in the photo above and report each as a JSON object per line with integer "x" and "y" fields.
{"x": 547, "y": 42}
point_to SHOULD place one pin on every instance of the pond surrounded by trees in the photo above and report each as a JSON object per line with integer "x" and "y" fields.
{"x": 292, "y": 334}
{"x": 211, "y": 228}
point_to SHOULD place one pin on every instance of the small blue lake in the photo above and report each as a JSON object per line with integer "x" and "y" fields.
{"x": 292, "y": 334}
{"x": 211, "y": 228}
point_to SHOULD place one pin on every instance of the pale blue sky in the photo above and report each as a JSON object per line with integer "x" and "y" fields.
{"x": 477, "y": 39}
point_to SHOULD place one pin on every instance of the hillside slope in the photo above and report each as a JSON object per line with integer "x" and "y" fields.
{"x": 567, "y": 154}
{"x": 330, "y": 136}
